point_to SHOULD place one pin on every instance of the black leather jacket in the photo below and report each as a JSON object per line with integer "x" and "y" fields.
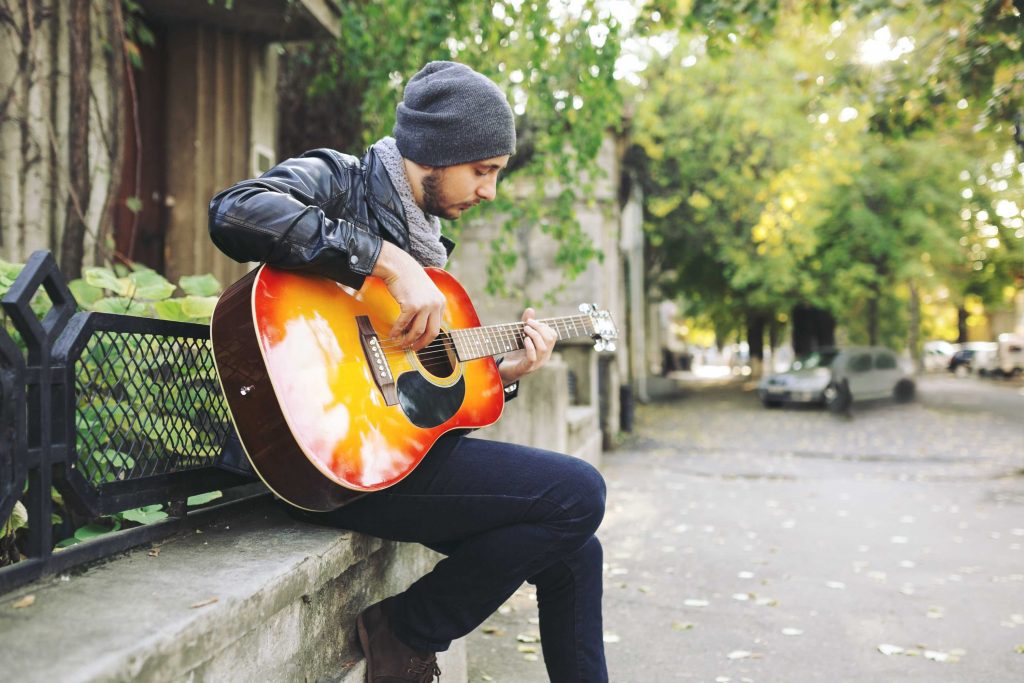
{"x": 324, "y": 213}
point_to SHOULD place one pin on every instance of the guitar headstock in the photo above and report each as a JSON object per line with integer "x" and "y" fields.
{"x": 605, "y": 334}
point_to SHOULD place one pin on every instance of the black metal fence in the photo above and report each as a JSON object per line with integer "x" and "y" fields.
{"x": 100, "y": 413}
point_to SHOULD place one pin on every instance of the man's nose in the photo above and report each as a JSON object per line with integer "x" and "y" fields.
{"x": 488, "y": 190}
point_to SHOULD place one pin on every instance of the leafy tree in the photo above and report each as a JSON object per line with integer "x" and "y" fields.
{"x": 721, "y": 138}
{"x": 894, "y": 221}
{"x": 865, "y": 206}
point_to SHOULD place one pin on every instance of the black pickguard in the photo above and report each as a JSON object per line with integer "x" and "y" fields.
{"x": 426, "y": 404}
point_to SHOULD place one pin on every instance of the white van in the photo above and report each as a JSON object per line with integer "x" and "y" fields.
{"x": 935, "y": 355}
{"x": 1010, "y": 355}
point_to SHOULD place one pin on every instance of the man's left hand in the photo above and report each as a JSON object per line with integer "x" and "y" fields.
{"x": 538, "y": 343}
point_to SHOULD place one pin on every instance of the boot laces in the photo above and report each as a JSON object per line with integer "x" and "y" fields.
{"x": 427, "y": 668}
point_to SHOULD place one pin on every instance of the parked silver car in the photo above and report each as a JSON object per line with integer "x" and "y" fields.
{"x": 830, "y": 376}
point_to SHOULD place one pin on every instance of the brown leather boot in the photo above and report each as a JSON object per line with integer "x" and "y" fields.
{"x": 389, "y": 660}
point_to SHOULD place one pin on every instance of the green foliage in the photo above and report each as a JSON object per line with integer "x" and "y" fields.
{"x": 164, "y": 393}
{"x": 556, "y": 63}
{"x": 144, "y": 292}
{"x": 882, "y": 173}
{"x": 716, "y": 137}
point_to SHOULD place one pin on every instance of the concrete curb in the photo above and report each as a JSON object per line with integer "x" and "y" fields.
{"x": 255, "y": 596}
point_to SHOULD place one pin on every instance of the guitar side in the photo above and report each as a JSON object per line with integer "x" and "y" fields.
{"x": 311, "y": 415}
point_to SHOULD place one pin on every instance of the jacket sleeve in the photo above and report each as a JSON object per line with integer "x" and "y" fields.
{"x": 279, "y": 219}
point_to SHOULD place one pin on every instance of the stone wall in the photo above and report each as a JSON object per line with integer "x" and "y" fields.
{"x": 253, "y": 596}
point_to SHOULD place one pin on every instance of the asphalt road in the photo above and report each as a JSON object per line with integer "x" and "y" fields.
{"x": 745, "y": 544}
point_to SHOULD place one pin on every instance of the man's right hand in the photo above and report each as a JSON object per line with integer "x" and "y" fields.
{"x": 422, "y": 303}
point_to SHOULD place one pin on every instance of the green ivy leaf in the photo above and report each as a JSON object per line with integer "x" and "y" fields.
{"x": 134, "y": 204}
{"x": 119, "y": 304}
{"x": 85, "y": 294}
{"x": 104, "y": 278}
{"x": 200, "y": 285}
{"x": 17, "y": 520}
{"x": 145, "y": 516}
{"x": 94, "y": 530}
{"x": 199, "y": 307}
{"x": 150, "y": 285}
{"x": 171, "y": 309}
{"x": 203, "y": 498}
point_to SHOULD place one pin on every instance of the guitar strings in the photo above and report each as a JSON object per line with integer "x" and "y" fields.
{"x": 516, "y": 331}
{"x": 445, "y": 344}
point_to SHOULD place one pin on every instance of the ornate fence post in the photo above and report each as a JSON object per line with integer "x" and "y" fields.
{"x": 37, "y": 415}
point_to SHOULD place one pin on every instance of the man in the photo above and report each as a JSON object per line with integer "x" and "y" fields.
{"x": 500, "y": 513}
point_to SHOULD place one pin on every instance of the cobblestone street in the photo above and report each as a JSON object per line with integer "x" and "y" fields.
{"x": 745, "y": 544}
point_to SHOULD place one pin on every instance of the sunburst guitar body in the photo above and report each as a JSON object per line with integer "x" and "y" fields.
{"x": 327, "y": 408}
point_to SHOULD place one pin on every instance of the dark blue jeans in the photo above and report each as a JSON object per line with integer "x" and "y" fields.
{"x": 502, "y": 514}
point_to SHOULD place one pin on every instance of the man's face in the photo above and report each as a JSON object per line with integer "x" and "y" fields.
{"x": 452, "y": 190}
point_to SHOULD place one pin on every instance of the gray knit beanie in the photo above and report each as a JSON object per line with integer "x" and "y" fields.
{"x": 453, "y": 115}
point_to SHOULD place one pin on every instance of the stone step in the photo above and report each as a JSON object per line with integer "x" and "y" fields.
{"x": 253, "y": 596}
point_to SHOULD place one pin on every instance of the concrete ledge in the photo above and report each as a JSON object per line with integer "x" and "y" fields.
{"x": 253, "y": 596}
{"x": 584, "y": 434}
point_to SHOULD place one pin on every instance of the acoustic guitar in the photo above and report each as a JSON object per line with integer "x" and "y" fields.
{"x": 328, "y": 408}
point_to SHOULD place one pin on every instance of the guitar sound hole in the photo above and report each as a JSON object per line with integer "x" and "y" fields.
{"x": 438, "y": 357}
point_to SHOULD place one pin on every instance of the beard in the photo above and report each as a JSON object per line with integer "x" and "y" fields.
{"x": 433, "y": 196}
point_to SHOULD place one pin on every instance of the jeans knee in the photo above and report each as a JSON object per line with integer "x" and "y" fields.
{"x": 590, "y": 498}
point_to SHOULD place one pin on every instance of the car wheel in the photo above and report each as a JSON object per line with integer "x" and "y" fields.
{"x": 904, "y": 391}
{"x": 837, "y": 397}
{"x": 771, "y": 402}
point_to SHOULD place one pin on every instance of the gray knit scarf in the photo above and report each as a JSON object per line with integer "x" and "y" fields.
{"x": 424, "y": 229}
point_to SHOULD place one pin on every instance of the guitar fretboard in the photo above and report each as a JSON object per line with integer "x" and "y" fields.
{"x": 494, "y": 340}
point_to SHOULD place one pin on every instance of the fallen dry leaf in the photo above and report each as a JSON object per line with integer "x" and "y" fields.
{"x": 24, "y": 602}
{"x": 204, "y": 603}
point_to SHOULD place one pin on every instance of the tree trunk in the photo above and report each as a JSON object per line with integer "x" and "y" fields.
{"x": 873, "y": 317}
{"x": 961, "y": 324}
{"x": 824, "y": 328}
{"x": 813, "y": 328}
{"x": 803, "y": 330}
{"x": 774, "y": 331}
{"x": 755, "y": 335}
{"x": 755, "y": 342}
{"x": 73, "y": 240}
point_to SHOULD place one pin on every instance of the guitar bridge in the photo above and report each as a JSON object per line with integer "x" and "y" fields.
{"x": 377, "y": 359}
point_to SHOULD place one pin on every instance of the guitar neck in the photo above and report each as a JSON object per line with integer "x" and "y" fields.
{"x": 494, "y": 340}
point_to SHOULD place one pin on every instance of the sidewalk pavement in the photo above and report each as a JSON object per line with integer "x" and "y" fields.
{"x": 749, "y": 545}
